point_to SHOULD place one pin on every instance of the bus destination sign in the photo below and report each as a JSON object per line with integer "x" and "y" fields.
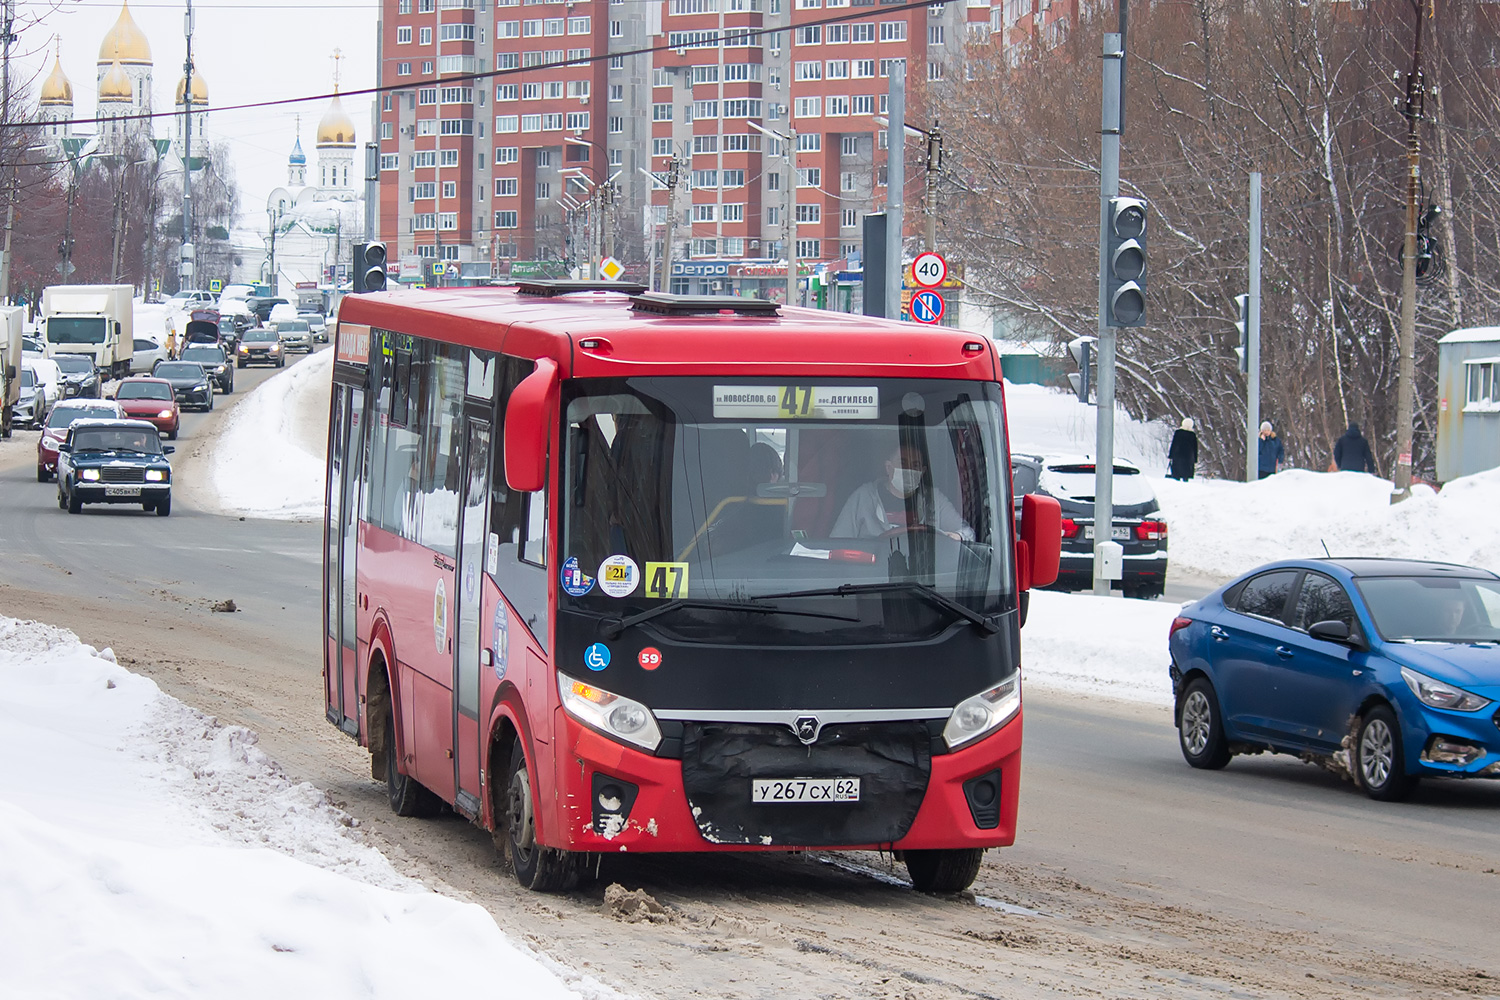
{"x": 796, "y": 402}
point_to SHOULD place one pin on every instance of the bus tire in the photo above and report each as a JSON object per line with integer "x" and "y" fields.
{"x": 407, "y": 795}
{"x": 952, "y": 870}
{"x": 538, "y": 868}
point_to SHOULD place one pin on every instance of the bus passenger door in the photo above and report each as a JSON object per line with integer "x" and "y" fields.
{"x": 340, "y": 529}
{"x": 352, "y": 473}
{"x": 472, "y": 524}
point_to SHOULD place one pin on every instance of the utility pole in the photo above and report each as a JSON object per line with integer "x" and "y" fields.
{"x": 1109, "y": 188}
{"x": 1252, "y": 341}
{"x": 1412, "y": 110}
{"x": 792, "y": 298}
{"x": 186, "y": 270}
{"x": 674, "y": 171}
{"x": 895, "y": 181}
{"x": 7, "y": 36}
{"x": 372, "y": 194}
{"x": 934, "y": 167}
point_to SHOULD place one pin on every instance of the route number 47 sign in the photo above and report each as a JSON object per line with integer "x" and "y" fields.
{"x": 929, "y": 270}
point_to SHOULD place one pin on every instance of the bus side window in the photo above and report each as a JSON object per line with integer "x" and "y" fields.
{"x": 518, "y": 520}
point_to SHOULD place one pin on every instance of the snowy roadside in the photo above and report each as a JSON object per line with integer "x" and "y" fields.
{"x": 260, "y": 463}
{"x": 1100, "y": 646}
{"x": 145, "y": 850}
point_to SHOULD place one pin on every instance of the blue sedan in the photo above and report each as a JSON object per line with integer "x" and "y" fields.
{"x": 1389, "y": 668}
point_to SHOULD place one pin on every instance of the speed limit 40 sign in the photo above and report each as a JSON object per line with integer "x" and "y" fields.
{"x": 929, "y": 270}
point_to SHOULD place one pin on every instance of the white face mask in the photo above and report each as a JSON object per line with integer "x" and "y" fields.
{"x": 905, "y": 481}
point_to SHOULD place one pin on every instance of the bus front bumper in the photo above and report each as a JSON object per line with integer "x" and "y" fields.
{"x": 613, "y": 798}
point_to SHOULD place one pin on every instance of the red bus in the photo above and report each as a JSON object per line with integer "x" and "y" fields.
{"x": 609, "y": 571}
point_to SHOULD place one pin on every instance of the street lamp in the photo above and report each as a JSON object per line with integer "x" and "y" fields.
{"x": 789, "y": 140}
{"x": 934, "y": 138}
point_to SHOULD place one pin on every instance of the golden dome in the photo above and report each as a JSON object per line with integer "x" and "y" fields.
{"x": 115, "y": 85}
{"x": 125, "y": 42}
{"x": 57, "y": 88}
{"x": 336, "y": 128}
{"x": 200, "y": 89}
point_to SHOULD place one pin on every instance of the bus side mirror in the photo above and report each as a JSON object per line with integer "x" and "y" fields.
{"x": 1040, "y": 546}
{"x": 528, "y": 419}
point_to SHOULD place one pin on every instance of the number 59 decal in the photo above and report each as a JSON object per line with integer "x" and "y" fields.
{"x": 666, "y": 579}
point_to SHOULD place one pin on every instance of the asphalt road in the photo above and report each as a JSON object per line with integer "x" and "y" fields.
{"x": 1141, "y": 876}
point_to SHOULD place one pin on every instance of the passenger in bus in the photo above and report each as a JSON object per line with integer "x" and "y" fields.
{"x": 897, "y": 502}
{"x": 753, "y": 519}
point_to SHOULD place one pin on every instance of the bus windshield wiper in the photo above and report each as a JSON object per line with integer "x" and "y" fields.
{"x": 611, "y": 627}
{"x": 931, "y": 594}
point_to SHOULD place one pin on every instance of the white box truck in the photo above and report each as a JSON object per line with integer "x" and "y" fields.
{"x": 94, "y": 320}
{"x": 12, "y": 318}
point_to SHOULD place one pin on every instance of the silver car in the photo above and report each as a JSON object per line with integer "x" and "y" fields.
{"x": 295, "y": 335}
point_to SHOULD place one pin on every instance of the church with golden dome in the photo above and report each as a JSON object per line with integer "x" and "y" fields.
{"x": 123, "y": 93}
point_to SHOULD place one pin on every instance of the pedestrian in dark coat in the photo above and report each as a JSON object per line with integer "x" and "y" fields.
{"x": 1351, "y": 452}
{"x": 1182, "y": 456}
{"x": 1271, "y": 453}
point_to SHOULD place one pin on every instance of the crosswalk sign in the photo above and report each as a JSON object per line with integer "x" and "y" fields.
{"x": 215, "y": 285}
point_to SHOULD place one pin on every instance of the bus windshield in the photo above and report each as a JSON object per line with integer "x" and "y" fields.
{"x": 76, "y": 330}
{"x": 841, "y": 511}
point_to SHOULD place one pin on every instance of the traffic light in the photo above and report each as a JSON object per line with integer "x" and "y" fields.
{"x": 1082, "y": 350}
{"x": 1242, "y": 324}
{"x": 368, "y": 273}
{"x": 1125, "y": 263}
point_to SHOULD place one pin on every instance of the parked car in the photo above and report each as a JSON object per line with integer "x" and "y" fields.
{"x": 33, "y": 347}
{"x": 215, "y": 361}
{"x": 114, "y": 461}
{"x": 147, "y": 355}
{"x": 260, "y": 346}
{"x": 1388, "y": 667}
{"x": 190, "y": 381}
{"x": 260, "y": 306}
{"x": 152, "y": 399}
{"x": 191, "y": 298}
{"x": 318, "y": 325}
{"x": 80, "y": 379}
{"x": 1138, "y": 525}
{"x": 280, "y": 311}
{"x": 63, "y": 416}
{"x": 295, "y": 335}
{"x": 49, "y": 376}
{"x": 31, "y": 408}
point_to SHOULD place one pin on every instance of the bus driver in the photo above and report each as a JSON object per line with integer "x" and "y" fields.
{"x": 887, "y": 504}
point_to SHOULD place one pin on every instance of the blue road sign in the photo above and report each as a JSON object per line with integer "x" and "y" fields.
{"x": 927, "y": 306}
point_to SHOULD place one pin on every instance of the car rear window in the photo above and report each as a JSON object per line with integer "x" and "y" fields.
{"x": 184, "y": 370}
{"x": 144, "y": 390}
{"x": 1265, "y": 596}
{"x": 1076, "y": 482}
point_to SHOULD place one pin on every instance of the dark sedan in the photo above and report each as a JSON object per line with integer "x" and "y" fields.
{"x": 114, "y": 461}
{"x": 191, "y": 383}
{"x": 1387, "y": 668}
{"x": 1138, "y": 524}
{"x": 80, "y": 379}
{"x": 215, "y": 360}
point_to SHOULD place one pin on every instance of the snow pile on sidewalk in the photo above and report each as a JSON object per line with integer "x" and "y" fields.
{"x": 259, "y": 467}
{"x": 147, "y": 851}
{"x": 1047, "y": 421}
{"x": 1221, "y": 528}
{"x": 1106, "y": 646}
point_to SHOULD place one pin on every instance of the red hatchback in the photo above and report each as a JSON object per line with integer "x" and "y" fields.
{"x": 59, "y": 420}
{"x": 150, "y": 399}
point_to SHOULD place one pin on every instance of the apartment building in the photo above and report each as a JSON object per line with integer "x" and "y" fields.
{"x": 591, "y": 93}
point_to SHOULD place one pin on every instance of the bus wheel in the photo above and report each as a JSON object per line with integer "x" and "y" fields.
{"x": 943, "y": 871}
{"x": 541, "y": 869}
{"x": 407, "y": 795}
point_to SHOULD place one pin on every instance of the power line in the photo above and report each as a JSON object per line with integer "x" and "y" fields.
{"x": 713, "y": 40}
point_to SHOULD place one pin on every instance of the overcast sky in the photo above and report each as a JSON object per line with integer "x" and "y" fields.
{"x": 247, "y": 53}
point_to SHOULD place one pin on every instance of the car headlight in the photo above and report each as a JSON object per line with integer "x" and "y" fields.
{"x": 90, "y": 474}
{"x": 244, "y": 348}
{"x": 1435, "y": 694}
{"x": 984, "y": 713}
{"x": 155, "y": 476}
{"x": 201, "y": 388}
{"x": 611, "y": 714}
{"x": 164, "y": 414}
{"x": 275, "y": 348}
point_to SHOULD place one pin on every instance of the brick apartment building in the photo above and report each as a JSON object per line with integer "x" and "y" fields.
{"x": 487, "y": 172}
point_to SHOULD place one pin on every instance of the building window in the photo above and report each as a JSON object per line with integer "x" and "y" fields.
{"x": 507, "y": 60}
{"x": 864, "y": 69}
{"x": 661, "y": 147}
{"x": 389, "y": 161}
{"x": 808, "y": 71}
{"x": 544, "y": 157}
{"x": 810, "y": 249}
{"x": 849, "y": 145}
{"x": 732, "y": 213}
{"x": 387, "y": 131}
{"x": 424, "y": 37}
{"x": 403, "y": 37}
{"x": 427, "y": 67}
{"x": 1483, "y": 394}
{"x": 935, "y": 71}
{"x": 507, "y": 29}
{"x": 423, "y": 220}
{"x": 809, "y": 213}
{"x": 731, "y": 178}
{"x": 427, "y": 95}
{"x": 531, "y": 29}
{"x": 507, "y": 92}
{"x": 773, "y": 215}
{"x": 578, "y": 120}
{"x": 809, "y": 107}
{"x": 703, "y": 213}
{"x": 809, "y": 177}
{"x": 862, "y": 32}
{"x": 659, "y": 113}
{"x": 837, "y": 107}
{"x": 531, "y": 123}
{"x": 616, "y": 125}
{"x": 705, "y": 179}
{"x": 457, "y": 33}
{"x": 861, "y": 104}
{"x": 505, "y": 187}
{"x": 450, "y": 189}
{"x": 934, "y": 34}
{"x": 426, "y": 158}
{"x": 850, "y": 218}
{"x": 578, "y": 26}
{"x": 505, "y": 220}
{"x": 705, "y": 248}
{"x": 448, "y": 158}
{"x": 402, "y": 69}
{"x": 838, "y": 69}
{"x": 893, "y": 31}
{"x": 836, "y": 34}
{"x": 810, "y": 34}
{"x": 507, "y": 154}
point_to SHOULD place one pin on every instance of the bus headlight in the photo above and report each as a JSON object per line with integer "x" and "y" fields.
{"x": 611, "y": 714}
{"x": 982, "y": 714}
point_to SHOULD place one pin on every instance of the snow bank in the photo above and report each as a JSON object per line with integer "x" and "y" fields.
{"x": 1222, "y": 529}
{"x": 147, "y": 851}
{"x": 1105, "y": 646}
{"x": 259, "y": 467}
{"x": 1046, "y": 421}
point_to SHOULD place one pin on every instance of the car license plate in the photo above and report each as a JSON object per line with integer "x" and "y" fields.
{"x": 122, "y": 491}
{"x": 764, "y": 790}
{"x": 1118, "y": 533}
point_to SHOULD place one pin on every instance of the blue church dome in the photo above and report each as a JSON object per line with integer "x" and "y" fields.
{"x": 298, "y": 158}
